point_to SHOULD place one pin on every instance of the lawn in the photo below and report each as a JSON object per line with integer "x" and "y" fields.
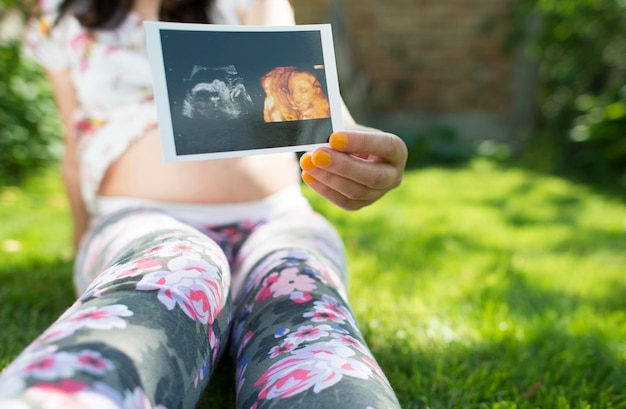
{"x": 482, "y": 286}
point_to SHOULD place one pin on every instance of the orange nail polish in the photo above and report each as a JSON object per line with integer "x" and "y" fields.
{"x": 307, "y": 178}
{"x": 321, "y": 158}
{"x": 306, "y": 163}
{"x": 338, "y": 140}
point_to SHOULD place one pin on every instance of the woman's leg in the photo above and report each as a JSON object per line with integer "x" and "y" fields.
{"x": 295, "y": 341}
{"x": 145, "y": 333}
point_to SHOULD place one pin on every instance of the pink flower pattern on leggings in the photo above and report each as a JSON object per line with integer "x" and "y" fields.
{"x": 65, "y": 364}
{"x": 318, "y": 367}
{"x": 286, "y": 282}
{"x": 193, "y": 284}
{"x": 120, "y": 272}
{"x": 99, "y": 318}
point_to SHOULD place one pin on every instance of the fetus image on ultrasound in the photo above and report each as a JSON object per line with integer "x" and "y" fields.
{"x": 215, "y": 94}
{"x": 293, "y": 95}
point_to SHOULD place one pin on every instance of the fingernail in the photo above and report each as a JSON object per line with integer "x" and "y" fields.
{"x": 338, "y": 140}
{"x": 306, "y": 163}
{"x": 321, "y": 158}
{"x": 307, "y": 178}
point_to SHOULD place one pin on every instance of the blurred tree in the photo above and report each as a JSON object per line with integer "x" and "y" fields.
{"x": 580, "y": 48}
{"x": 29, "y": 129}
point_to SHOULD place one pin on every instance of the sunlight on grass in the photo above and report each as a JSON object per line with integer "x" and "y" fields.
{"x": 477, "y": 287}
{"x": 35, "y": 220}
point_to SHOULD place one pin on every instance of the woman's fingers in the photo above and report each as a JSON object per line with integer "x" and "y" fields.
{"x": 333, "y": 196}
{"x": 386, "y": 146}
{"x": 359, "y": 169}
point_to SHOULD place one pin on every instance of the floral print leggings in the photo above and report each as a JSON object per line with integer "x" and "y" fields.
{"x": 158, "y": 309}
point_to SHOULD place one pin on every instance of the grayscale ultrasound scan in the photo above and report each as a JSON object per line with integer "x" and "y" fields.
{"x": 215, "y": 94}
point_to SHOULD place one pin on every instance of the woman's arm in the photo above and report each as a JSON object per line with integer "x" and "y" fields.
{"x": 65, "y": 97}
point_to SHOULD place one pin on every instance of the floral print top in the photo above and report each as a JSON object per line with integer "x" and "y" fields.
{"x": 111, "y": 73}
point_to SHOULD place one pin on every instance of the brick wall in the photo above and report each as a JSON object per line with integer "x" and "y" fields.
{"x": 427, "y": 58}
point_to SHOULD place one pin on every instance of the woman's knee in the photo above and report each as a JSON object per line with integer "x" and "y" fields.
{"x": 306, "y": 234}
{"x": 148, "y": 249}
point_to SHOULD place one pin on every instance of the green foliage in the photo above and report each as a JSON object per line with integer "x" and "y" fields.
{"x": 580, "y": 47}
{"x": 29, "y": 131}
{"x": 434, "y": 146}
{"x": 22, "y": 5}
{"x": 29, "y": 126}
{"x": 442, "y": 145}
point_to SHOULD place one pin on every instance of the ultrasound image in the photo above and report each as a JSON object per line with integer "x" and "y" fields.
{"x": 215, "y": 94}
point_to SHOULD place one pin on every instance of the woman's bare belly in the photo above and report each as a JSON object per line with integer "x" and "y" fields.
{"x": 141, "y": 173}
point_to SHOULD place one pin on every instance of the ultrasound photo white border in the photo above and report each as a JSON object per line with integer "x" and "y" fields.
{"x": 164, "y": 103}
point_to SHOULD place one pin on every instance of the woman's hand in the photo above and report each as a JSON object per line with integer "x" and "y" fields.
{"x": 357, "y": 169}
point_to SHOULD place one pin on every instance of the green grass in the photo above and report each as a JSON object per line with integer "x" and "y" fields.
{"x": 476, "y": 287}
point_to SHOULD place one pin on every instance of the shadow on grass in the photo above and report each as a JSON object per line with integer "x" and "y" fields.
{"x": 544, "y": 156}
{"x": 547, "y": 366}
{"x": 33, "y": 297}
